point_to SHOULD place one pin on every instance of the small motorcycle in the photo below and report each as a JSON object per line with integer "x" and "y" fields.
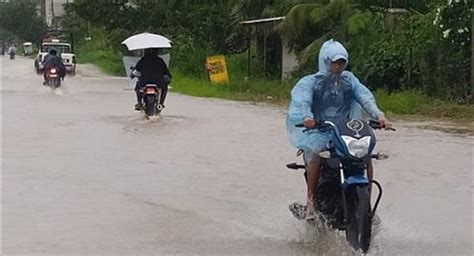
{"x": 53, "y": 78}
{"x": 150, "y": 94}
{"x": 344, "y": 190}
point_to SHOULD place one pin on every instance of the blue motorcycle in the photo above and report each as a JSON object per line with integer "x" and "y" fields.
{"x": 343, "y": 190}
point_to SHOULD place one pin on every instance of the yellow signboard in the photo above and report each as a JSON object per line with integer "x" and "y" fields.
{"x": 217, "y": 69}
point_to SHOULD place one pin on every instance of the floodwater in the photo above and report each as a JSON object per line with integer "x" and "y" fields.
{"x": 84, "y": 174}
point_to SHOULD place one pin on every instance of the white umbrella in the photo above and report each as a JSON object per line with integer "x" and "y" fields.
{"x": 146, "y": 40}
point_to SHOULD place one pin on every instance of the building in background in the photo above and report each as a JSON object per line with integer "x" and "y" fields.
{"x": 52, "y": 9}
{"x": 268, "y": 50}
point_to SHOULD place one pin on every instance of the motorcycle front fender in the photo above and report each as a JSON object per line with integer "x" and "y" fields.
{"x": 355, "y": 180}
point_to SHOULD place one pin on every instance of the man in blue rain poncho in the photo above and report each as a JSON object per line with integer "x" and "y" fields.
{"x": 330, "y": 94}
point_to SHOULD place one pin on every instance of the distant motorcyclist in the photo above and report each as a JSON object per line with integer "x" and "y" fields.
{"x": 3, "y": 48}
{"x": 153, "y": 70}
{"x": 52, "y": 60}
{"x": 12, "y": 51}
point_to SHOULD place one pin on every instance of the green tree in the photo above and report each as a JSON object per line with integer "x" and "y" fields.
{"x": 453, "y": 21}
{"x": 21, "y": 18}
{"x": 307, "y": 26}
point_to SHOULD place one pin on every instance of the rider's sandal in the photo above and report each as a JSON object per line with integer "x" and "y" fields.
{"x": 298, "y": 210}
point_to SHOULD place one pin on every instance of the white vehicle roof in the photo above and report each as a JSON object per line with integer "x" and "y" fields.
{"x": 51, "y": 43}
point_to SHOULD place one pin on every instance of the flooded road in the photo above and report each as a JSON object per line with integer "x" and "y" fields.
{"x": 83, "y": 174}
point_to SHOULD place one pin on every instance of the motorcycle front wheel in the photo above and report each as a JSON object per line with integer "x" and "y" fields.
{"x": 359, "y": 217}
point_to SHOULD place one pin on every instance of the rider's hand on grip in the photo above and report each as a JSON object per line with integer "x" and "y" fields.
{"x": 309, "y": 122}
{"x": 385, "y": 123}
{"x": 381, "y": 125}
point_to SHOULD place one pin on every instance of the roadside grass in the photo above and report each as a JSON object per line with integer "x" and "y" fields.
{"x": 404, "y": 104}
{"x": 99, "y": 53}
{"x": 416, "y": 104}
{"x": 106, "y": 59}
{"x": 239, "y": 88}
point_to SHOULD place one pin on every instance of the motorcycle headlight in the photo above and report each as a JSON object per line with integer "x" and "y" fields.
{"x": 357, "y": 147}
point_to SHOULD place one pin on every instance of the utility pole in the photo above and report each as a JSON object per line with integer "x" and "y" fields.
{"x": 48, "y": 9}
{"x": 472, "y": 55}
{"x": 52, "y": 11}
{"x": 43, "y": 9}
{"x": 52, "y": 7}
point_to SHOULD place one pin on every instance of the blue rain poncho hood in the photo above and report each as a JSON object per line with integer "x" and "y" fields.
{"x": 326, "y": 96}
{"x": 331, "y": 51}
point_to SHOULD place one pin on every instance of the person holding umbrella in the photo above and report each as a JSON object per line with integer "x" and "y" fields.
{"x": 153, "y": 70}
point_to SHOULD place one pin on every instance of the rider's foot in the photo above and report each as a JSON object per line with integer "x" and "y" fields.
{"x": 310, "y": 210}
{"x": 298, "y": 210}
{"x": 138, "y": 106}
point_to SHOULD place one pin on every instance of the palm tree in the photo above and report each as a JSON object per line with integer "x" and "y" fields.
{"x": 307, "y": 26}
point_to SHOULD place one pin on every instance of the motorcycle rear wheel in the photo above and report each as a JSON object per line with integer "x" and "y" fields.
{"x": 359, "y": 223}
{"x": 150, "y": 105}
{"x": 54, "y": 83}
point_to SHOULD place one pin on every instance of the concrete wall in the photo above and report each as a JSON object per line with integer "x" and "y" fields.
{"x": 54, "y": 8}
{"x": 289, "y": 63}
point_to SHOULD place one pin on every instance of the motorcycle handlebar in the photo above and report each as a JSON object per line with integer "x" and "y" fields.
{"x": 322, "y": 124}
{"x": 319, "y": 125}
{"x": 377, "y": 125}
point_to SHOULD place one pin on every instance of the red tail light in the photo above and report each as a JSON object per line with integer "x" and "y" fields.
{"x": 150, "y": 90}
{"x": 53, "y": 71}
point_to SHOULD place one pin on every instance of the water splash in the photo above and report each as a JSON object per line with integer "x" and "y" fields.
{"x": 58, "y": 91}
